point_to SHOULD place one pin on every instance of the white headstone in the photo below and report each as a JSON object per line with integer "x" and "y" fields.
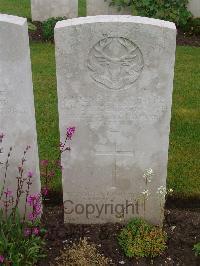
{"x": 101, "y": 7}
{"x": 194, "y": 7}
{"x": 43, "y": 9}
{"x": 17, "y": 114}
{"x": 115, "y": 81}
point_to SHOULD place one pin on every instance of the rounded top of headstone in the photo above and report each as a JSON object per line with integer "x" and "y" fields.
{"x": 12, "y": 19}
{"x": 116, "y": 18}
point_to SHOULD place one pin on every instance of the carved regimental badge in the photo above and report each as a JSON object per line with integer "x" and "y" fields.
{"x": 115, "y": 62}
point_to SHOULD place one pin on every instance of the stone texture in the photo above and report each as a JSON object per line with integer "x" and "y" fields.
{"x": 115, "y": 81}
{"x": 17, "y": 114}
{"x": 43, "y": 9}
{"x": 194, "y": 7}
{"x": 101, "y": 7}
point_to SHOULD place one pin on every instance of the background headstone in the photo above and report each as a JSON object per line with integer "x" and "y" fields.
{"x": 194, "y": 7}
{"x": 43, "y": 9}
{"x": 17, "y": 113}
{"x": 101, "y": 7}
{"x": 115, "y": 81}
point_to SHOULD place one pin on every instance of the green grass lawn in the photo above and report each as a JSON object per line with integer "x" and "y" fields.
{"x": 44, "y": 80}
{"x": 184, "y": 153}
{"x": 82, "y": 8}
{"x": 16, "y": 7}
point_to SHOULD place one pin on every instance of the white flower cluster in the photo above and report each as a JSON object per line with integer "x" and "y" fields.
{"x": 148, "y": 173}
{"x": 146, "y": 193}
{"x": 162, "y": 191}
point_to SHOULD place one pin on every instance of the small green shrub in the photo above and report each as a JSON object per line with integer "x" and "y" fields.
{"x": 175, "y": 11}
{"x": 192, "y": 27}
{"x": 48, "y": 28}
{"x": 140, "y": 239}
{"x": 197, "y": 249}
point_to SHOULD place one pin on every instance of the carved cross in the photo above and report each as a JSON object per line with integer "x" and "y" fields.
{"x": 115, "y": 154}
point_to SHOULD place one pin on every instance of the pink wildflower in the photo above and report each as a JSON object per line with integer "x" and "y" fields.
{"x": 31, "y": 217}
{"x": 70, "y": 132}
{"x": 36, "y": 231}
{"x": 33, "y": 199}
{"x": 1, "y": 258}
{"x": 27, "y": 232}
{"x": 8, "y": 193}
{"x": 30, "y": 174}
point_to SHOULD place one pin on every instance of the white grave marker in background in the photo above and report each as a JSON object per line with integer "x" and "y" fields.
{"x": 43, "y": 9}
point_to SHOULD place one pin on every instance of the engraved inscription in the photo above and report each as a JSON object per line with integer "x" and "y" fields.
{"x": 115, "y": 62}
{"x": 148, "y": 108}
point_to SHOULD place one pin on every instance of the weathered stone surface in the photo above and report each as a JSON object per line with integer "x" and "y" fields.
{"x": 194, "y": 7}
{"x": 101, "y": 7}
{"x": 115, "y": 81}
{"x": 43, "y": 9}
{"x": 17, "y": 114}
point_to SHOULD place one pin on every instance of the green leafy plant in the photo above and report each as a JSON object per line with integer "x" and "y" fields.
{"x": 120, "y": 3}
{"x": 48, "y": 28}
{"x": 21, "y": 240}
{"x": 197, "y": 249}
{"x": 21, "y": 236}
{"x": 140, "y": 239}
{"x": 192, "y": 27}
{"x": 170, "y": 10}
{"x": 20, "y": 243}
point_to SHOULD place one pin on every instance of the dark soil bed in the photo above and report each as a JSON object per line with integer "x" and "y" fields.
{"x": 182, "y": 38}
{"x": 181, "y": 225}
{"x": 185, "y": 39}
{"x": 36, "y": 35}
